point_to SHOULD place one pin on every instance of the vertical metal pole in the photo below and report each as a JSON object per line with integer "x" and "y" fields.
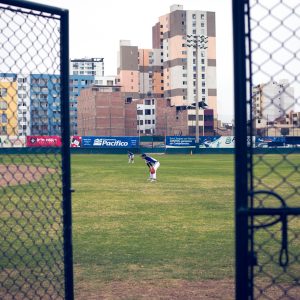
{"x": 66, "y": 170}
{"x": 240, "y": 104}
{"x": 197, "y": 91}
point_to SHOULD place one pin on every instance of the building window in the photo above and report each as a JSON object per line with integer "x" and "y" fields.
{"x": 184, "y": 82}
{"x": 3, "y": 118}
{"x": 147, "y": 112}
{"x": 3, "y": 105}
{"x": 3, "y": 92}
{"x": 147, "y": 102}
{"x": 139, "y": 112}
{"x": 203, "y": 91}
{"x": 3, "y": 130}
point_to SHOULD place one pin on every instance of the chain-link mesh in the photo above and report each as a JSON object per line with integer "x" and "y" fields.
{"x": 31, "y": 245}
{"x": 273, "y": 45}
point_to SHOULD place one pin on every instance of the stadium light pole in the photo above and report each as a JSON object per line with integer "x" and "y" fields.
{"x": 197, "y": 42}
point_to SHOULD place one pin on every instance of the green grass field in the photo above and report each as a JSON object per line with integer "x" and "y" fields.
{"x": 127, "y": 228}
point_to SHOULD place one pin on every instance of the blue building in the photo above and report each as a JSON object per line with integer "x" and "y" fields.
{"x": 45, "y": 118}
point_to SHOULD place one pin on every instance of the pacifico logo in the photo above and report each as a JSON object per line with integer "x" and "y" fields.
{"x": 110, "y": 143}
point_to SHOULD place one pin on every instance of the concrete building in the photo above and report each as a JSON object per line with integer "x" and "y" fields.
{"x": 87, "y": 66}
{"x": 272, "y": 102}
{"x": 181, "y": 62}
{"x": 8, "y": 105}
{"x": 169, "y": 70}
{"x": 45, "y": 113}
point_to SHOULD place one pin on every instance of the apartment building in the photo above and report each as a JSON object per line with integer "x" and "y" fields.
{"x": 173, "y": 70}
{"x": 87, "y": 66}
{"x": 187, "y": 40}
{"x": 8, "y": 105}
{"x": 272, "y": 101}
{"x": 45, "y": 113}
{"x": 274, "y": 109}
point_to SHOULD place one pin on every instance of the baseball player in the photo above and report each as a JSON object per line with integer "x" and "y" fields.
{"x": 153, "y": 165}
{"x": 130, "y": 157}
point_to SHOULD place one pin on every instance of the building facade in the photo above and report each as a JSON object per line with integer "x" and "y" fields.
{"x": 45, "y": 113}
{"x": 87, "y": 66}
{"x": 8, "y": 105}
{"x": 274, "y": 109}
{"x": 174, "y": 70}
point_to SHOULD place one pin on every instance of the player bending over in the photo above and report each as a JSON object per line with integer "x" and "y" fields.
{"x": 130, "y": 157}
{"x": 153, "y": 165}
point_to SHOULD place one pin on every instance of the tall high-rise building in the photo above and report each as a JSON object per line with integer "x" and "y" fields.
{"x": 173, "y": 34}
{"x": 178, "y": 69}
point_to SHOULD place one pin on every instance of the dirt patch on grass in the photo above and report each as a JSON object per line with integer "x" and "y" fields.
{"x": 162, "y": 290}
{"x": 11, "y": 175}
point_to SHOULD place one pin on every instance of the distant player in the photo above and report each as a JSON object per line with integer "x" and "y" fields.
{"x": 152, "y": 164}
{"x": 130, "y": 157}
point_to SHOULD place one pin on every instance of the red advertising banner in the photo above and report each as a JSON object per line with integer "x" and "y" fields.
{"x": 43, "y": 141}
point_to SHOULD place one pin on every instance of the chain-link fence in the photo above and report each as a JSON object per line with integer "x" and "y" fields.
{"x": 273, "y": 46}
{"x": 32, "y": 192}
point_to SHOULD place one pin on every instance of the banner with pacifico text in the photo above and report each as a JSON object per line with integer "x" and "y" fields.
{"x": 110, "y": 142}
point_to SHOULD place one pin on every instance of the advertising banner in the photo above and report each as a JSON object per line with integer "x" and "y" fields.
{"x": 216, "y": 142}
{"x": 75, "y": 141}
{"x": 269, "y": 141}
{"x": 180, "y": 141}
{"x": 43, "y": 141}
{"x": 110, "y": 142}
{"x": 12, "y": 141}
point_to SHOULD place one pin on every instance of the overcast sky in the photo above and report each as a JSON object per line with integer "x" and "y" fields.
{"x": 97, "y": 26}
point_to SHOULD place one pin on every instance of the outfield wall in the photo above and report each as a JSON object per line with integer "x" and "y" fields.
{"x": 185, "y": 151}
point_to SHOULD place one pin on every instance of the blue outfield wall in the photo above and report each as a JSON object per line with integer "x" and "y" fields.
{"x": 52, "y": 150}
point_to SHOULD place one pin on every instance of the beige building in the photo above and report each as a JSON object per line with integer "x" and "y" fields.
{"x": 172, "y": 71}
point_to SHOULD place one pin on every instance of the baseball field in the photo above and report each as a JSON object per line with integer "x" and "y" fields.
{"x": 136, "y": 239}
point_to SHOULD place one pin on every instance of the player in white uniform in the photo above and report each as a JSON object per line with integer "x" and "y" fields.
{"x": 153, "y": 165}
{"x": 130, "y": 157}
